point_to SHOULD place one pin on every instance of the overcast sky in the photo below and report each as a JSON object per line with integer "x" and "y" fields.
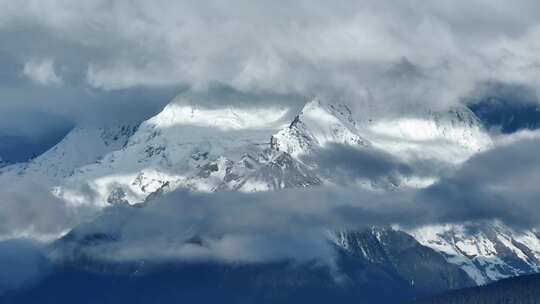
{"x": 64, "y": 63}
{"x": 69, "y": 62}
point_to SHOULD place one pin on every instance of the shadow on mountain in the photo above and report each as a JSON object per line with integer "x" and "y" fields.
{"x": 519, "y": 290}
{"x": 211, "y": 283}
{"x": 394, "y": 269}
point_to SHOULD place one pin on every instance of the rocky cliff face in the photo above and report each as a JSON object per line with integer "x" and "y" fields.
{"x": 396, "y": 251}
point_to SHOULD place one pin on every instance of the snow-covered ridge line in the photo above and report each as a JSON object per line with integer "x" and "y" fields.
{"x": 186, "y": 113}
{"x": 487, "y": 252}
{"x": 83, "y": 145}
{"x": 451, "y": 136}
{"x": 315, "y": 126}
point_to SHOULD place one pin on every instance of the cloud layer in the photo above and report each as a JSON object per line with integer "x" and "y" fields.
{"x": 377, "y": 52}
{"x": 497, "y": 185}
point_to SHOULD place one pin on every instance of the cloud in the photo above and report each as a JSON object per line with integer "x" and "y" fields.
{"x": 346, "y": 164}
{"x": 294, "y": 224}
{"x": 310, "y": 46}
{"x": 370, "y": 54}
{"x": 28, "y": 209}
{"x": 499, "y": 184}
{"x": 42, "y": 72}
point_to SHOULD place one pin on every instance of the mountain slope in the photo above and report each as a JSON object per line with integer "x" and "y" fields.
{"x": 522, "y": 290}
{"x": 82, "y": 146}
{"x": 208, "y": 283}
{"x": 191, "y": 147}
{"x": 315, "y": 126}
{"x": 250, "y": 149}
{"x": 423, "y": 268}
{"x": 396, "y": 269}
{"x": 487, "y": 252}
{"x": 451, "y": 136}
{"x": 253, "y": 149}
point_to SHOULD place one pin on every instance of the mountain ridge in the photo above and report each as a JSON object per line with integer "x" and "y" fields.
{"x": 209, "y": 149}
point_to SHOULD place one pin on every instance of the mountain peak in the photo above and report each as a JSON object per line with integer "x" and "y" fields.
{"x": 318, "y": 124}
{"x": 186, "y": 112}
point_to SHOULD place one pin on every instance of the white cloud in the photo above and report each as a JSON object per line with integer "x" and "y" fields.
{"x": 305, "y": 48}
{"x": 353, "y": 50}
{"x": 42, "y": 72}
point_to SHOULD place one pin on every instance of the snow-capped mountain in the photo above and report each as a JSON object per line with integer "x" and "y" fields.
{"x": 82, "y": 146}
{"x": 191, "y": 147}
{"x": 244, "y": 149}
{"x": 236, "y": 148}
{"x": 451, "y": 136}
{"x": 317, "y": 125}
{"x": 422, "y": 267}
{"x": 487, "y": 252}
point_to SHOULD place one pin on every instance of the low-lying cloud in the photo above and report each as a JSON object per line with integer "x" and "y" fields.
{"x": 28, "y": 209}
{"x": 346, "y": 164}
{"x": 296, "y": 224}
{"x": 497, "y": 185}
